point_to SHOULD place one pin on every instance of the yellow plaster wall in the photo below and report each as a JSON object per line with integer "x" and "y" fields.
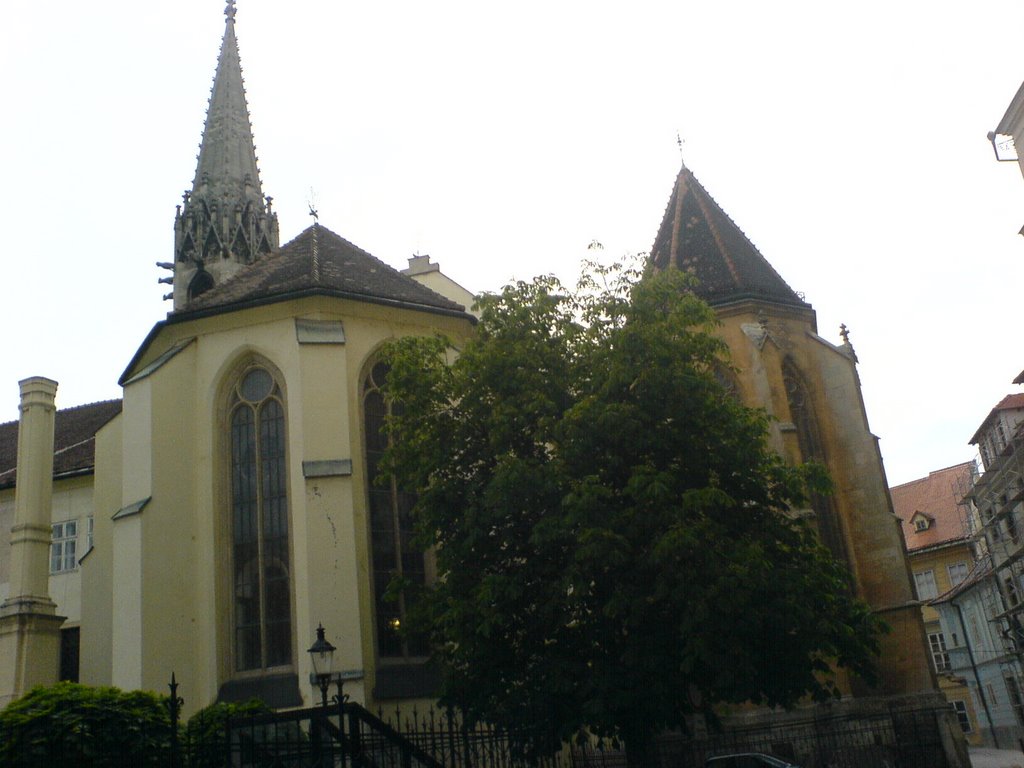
{"x": 175, "y": 447}
{"x": 760, "y": 337}
{"x": 96, "y": 653}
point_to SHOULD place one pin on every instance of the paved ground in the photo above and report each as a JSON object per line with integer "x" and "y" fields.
{"x": 996, "y": 758}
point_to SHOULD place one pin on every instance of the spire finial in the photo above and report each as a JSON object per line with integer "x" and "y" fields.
{"x": 230, "y": 10}
{"x": 847, "y": 346}
{"x": 679, "y": 143}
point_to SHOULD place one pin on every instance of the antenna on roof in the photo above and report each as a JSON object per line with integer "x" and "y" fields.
{"x": 679, "y": 143}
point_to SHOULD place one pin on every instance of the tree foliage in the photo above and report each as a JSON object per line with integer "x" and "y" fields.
{"x": 72, "y": 724}
{"x": 613, "y": 535}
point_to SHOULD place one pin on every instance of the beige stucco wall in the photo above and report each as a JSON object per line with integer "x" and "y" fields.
{"x": 96, "y": 658}
{"x": 72, "y": 500}
{"x": 167, "y": 567}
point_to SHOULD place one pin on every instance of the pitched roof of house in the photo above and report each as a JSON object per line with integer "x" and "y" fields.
{"x": 74, "y": 440}
{"x": 696, "y": 235}
{"x": 319, "y": 261}
{"x": 1008, "y": 403}
{"x": 937, "y": 497}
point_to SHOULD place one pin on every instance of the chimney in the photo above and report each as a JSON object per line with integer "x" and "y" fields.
{"x": 29, "y": 626}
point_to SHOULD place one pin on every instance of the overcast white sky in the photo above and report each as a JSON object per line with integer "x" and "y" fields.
{"x": 846, "y": 139}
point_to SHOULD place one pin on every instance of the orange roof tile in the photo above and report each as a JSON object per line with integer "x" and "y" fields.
{"x": 937, "y": 497}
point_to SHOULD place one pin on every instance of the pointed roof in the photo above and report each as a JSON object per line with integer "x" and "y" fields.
{"x": 696, "y": 235}
{"x": 227, "y": 155}
{"x": 319, "y": 261}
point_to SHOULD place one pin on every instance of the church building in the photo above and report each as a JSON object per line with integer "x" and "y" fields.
{"x": 212, "y": 518}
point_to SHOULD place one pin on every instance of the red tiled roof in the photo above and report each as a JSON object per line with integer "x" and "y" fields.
{"x": 936, "y": 496}
{"x": 74, "y": 440}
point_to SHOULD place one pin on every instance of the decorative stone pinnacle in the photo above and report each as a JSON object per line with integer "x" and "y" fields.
{"x": 844, "y": 332}
{"x": 230, "y": 10}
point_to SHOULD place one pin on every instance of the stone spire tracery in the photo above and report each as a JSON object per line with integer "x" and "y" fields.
{"x": 224, "y": 222}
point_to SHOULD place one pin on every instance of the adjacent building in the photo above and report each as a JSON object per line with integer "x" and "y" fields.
{"x": 937, "y": 528}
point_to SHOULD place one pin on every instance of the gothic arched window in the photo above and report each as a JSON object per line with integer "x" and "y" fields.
{"x": 391, "y": 531}
{"x": 808, "y": 434}
{"x": 260, "y": 560}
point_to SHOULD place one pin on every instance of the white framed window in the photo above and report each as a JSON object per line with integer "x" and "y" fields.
{"x": 957, "y": 573}
{"x": 63, "y": 540}
{"x": 960, "y": 707}
{"x": 940, "y": 657}
{"x": 925, "y": 583}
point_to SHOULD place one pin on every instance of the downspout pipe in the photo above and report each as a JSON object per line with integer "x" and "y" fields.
{"x": 977, "y": 679}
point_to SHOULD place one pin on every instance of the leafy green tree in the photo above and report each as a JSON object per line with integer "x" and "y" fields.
{"x": 72, "y": 724}
{"x": 614, "y": 542}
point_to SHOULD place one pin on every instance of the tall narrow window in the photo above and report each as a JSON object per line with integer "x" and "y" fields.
{"x": 940, "y": 656}
{"x": 63, "y": 543}
{"x": 801, "y": 410}
{"x": 393, "y": 552}
{"x": 259, "y": 525}
{"x": 927, "y": 589}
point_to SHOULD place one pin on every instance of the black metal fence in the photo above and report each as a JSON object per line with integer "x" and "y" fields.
{"x": 897, "y": 739}
{"x": 348, "y": 735}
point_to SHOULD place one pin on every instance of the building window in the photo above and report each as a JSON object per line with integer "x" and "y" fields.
{"x": 960, "y": 707}
{"x": 921, "y": 524}
{"x": 957, "y": 573}
{"x": 260, "y": 562}
{"x": 940, "y": 657}
{"x": 812, "y": 448}
{"x": 925, "y": 582}
{"x": 1012, "y": 598}
{"x": 391, "y": 532}
{"x": 69, "y": 644}
{"x": 64, "y": 537}
{"x": 1013, "y": 691}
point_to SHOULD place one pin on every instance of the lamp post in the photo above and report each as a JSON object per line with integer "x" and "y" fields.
{"x": 322, "y": 655}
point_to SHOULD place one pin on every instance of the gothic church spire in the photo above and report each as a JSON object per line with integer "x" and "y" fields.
{"x": 225, "y": 222}
{"x": 697, "y": 236}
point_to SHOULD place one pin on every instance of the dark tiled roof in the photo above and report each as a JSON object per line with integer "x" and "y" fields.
{"x": 74, "y": 440}
{"x": 936, "y": 496}
{"x": 696, "y": 235}
{"x": 319, "y": 261}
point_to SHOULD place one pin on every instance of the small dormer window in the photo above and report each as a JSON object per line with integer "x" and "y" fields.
{"x": 921, "y": 522}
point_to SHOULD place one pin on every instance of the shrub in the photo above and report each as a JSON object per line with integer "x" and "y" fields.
{"x": 72, "y": 724}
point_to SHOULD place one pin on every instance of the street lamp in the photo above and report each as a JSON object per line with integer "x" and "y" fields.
{"x": 322, "y": 654}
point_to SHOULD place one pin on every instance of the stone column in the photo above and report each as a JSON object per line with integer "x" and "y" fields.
{"x": 29, "y": 626}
